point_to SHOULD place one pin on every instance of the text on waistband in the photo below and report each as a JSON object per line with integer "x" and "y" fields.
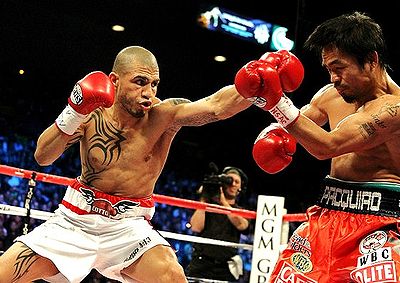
{"x": 351, "y": 199}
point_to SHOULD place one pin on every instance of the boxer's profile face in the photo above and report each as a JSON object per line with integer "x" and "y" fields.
{"x": 351, "y": 80}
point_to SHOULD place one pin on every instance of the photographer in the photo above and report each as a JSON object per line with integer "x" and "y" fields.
{"x": 212, "y": 261}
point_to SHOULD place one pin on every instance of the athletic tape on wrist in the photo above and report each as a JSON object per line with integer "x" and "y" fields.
{"x": 69, "y": 120}
{"x": 285, "y": 112}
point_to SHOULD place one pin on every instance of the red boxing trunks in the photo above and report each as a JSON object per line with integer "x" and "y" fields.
{"x": 352, "y": 235}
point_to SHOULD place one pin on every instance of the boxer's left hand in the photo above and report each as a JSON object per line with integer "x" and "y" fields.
{"x": 274, "y": 148}
{"x": 263, "y": 83}
{"x": 259, "y": 82}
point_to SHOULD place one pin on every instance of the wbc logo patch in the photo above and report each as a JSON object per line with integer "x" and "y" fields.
{"x": 376, "y": 264}
{"x": 373, "y": 242}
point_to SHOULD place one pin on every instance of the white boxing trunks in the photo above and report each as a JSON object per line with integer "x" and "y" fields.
{"x": 91, "y": 229}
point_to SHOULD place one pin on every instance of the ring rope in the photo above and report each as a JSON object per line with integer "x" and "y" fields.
{"x": 192, "y": 204}
{"x": 44, "y": 215}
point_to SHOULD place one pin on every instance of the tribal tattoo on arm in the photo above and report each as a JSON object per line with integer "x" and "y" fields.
{"x": 108, "y": 139}
{"x": 25, "y": 259}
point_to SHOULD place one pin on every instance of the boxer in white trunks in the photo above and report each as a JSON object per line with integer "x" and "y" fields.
{"x": 125, "y": 133}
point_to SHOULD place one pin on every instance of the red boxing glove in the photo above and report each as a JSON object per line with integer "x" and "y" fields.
{"x": 273, "y": 149}
{"x": 289, "y": 68}
{"x": 258, "y": 82}
{"x": 91, "y": 92}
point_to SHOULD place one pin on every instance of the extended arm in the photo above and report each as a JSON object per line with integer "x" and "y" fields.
{"x": 223, "y": 104}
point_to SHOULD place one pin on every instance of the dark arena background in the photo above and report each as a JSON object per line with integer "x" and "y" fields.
{"x": 56, "y": 43}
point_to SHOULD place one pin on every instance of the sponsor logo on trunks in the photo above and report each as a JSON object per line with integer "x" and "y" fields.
{"x": 381, "y": 272}
{"x": 141, "y": 244}
{"x": 300, "y": 244}
{"x": 379, "y": 255}
{"x": 351, "y": 199}
{"x": 301, "y": 262}
{"x": 288, "y": 274}
{"x": 373, "y": 242}
{"x": 105, "y": 207}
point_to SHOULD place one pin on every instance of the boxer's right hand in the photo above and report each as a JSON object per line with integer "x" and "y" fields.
{"x": 259, "y": 82}
{"x": 273, "y": 149}
{"x": 93, "y": 91}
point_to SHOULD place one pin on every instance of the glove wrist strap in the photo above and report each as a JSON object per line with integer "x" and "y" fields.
{"x": 69, "y": 120}
{"x": 285, "y": 112}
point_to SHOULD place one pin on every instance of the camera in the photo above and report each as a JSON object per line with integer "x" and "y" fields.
{"x": 213, "y": 182}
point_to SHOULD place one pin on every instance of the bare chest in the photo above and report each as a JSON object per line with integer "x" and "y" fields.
{"x": 379, "y": 163}
{"x": 106, "y": 147}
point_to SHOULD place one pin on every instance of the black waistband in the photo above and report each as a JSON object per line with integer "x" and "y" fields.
{"x": 377, "y": 198}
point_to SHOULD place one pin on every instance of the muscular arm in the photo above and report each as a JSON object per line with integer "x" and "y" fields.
{"x": 52, "y": 143}
{"x": 363, "y": 130}
{"x": 223, "y": 104}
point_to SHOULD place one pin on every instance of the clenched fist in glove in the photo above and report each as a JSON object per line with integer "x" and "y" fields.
{"x": 258, "y": 81}
{"x": 289, "y": 68}
{"x": 264, "y": 81}
{"x": 273, "y": 149}
{"x": 91, "y": 92}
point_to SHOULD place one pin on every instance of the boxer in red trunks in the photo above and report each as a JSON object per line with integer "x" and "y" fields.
{"x": 352, "y": 233}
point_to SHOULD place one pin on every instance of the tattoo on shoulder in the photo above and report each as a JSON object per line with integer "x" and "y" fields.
{"x": 176, "y": 101}
{"x": 389, "y": 109}
{"x": 23, "y": 262}
{"x": 378, "y": 121}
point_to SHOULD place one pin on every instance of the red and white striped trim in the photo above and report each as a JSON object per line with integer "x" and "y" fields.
{"x": 82, "y": 199}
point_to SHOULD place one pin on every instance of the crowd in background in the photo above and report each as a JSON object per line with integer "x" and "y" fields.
{"x": 18, "y": 152}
